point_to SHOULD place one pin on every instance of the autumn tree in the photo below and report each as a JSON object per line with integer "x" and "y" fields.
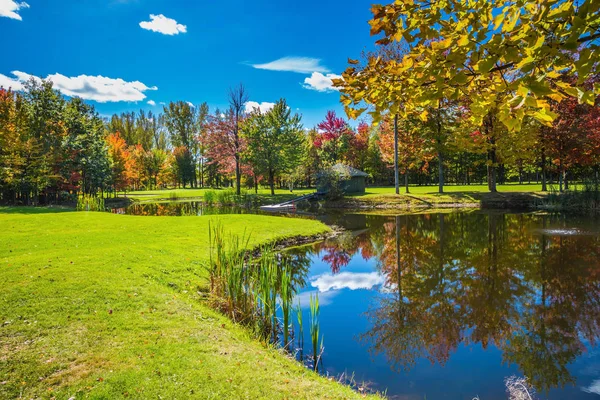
{"x": 238, "y": 97}
{"x": 413, "y": 150}
{"x": 503, "y": 56}
{"x": 119, "y": 158}
{"x": 334, "y": 138}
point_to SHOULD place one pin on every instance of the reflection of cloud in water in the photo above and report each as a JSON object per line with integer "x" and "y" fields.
{"x": 593, "y": 388}
{"x": 347, "y": 280}
{"x": 324, "y": 298}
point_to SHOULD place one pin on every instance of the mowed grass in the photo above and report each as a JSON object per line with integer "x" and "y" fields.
{"x": 198, "y": 194}
{"x": 103, "y": 306}
{"x": 455, "y": 195}
{"x": 416, "y": 190}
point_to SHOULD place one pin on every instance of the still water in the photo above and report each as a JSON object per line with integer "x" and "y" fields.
{"x": 177, "y": 209}
{"x": 447, "y": 306}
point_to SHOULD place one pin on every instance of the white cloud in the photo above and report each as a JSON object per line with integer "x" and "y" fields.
{"x": 593, "y": 388}
{"x": 10, "y": 9}
{"x": 321, "y": 83}
{"x": 263, "y": 107}
{"x": 347, "y": 280}
{"x": 152, "y": 102}
{"x": 189, "y": 103}
{"x": 162, "y": 24}
{"x": 325, "y": 298}
{"x": 303, "y": 65}
{"x": 96, "y": 88}
{"x": 8, "y": 82}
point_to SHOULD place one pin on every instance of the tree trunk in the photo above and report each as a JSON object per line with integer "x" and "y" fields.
{"x": 396, "y": 172}
{"x": 440, "y": 155}
{"x": 520, "y": 173}
{"x": 560, "y": 176}
{"x": 406, "y": 181}
{"x": 272, "y": 181}
{"x": 491, "y": 169}
{"x": 491, "y": 156}
{"x": 440, "y": 169}
{"x": 544, "y": 185}
{"x": 238, "y": 175}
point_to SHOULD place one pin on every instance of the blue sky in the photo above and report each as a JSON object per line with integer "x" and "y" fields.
{"x": 115, "y": 55}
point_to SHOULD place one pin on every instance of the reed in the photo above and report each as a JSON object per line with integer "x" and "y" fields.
{"x": 210, "y": 197}
{"x": 255, "y": 294}
{"x": 300, "y": 330}
{"x": 86, "y": 202}
{"x": 287, "y": 295}
{"x": 317, "y": 342}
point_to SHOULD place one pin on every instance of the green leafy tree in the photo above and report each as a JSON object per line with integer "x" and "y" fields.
{"x": 274, "y": 141}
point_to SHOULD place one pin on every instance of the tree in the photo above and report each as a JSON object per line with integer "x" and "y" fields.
{"x": 334, "y": 138}
{"x": 407, "y": 143}
{"x": 86, "y": 146}
{"x": 223, "y": 148}
{"x": 184, "y": 123}
{"x": 238, "y": 97}
{"x": 119, "y": 157}
{"x": 459, "y": 48}
{"x": 274, "y": 140}
{"x": 504, "y": 57}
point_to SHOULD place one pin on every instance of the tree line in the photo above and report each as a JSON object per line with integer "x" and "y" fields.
{"x": 52, "y": 148}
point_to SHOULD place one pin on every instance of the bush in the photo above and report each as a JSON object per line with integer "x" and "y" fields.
{"x": 333, "y": 181}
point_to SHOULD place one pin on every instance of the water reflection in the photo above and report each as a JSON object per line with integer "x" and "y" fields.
{"x": 176, "y": 209}
{"x": 513, "y": 283}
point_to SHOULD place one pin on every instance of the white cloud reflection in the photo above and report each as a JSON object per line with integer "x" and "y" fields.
{"x": 347, "y": 280}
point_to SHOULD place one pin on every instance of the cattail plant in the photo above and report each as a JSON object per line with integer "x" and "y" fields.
{"x": 287, "y": 294}
{"x": 317, "y": 343}
{"x": 300, "y": 330}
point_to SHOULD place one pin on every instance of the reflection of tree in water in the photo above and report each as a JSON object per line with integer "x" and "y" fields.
{"x": 482, "y": 278}
{"x": 299, "y": 261}
{"x": 177, "y": 209}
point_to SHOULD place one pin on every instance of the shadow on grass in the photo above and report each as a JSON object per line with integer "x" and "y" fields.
{"x": 34, "y": 210}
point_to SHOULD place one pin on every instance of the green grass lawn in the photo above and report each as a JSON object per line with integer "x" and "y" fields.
{"x": 418, "y": 190}
{"x": 96, "y": 305}
{"x": 428, "y": 195}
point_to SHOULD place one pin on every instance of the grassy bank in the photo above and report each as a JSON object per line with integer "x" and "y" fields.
{"x": 96, "y": 305}
{"x": 454, "y": 196}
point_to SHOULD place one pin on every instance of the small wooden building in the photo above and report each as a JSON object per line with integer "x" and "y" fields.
{"x": 352, "y": 179}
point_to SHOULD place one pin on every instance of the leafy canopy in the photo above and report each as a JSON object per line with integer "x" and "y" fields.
{"x": 510, "y": 55}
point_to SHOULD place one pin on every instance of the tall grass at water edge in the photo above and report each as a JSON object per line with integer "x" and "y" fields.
{"x": 582, "y": 198}
{"x": 90, "y": 203}
{"x": 229, "y": 197}
{"x": 255, "y": 293}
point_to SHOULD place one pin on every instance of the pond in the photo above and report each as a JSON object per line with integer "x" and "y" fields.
{"x": 450, "y": 305}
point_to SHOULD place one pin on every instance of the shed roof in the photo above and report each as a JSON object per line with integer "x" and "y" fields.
{"x": 348, "y": 170}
